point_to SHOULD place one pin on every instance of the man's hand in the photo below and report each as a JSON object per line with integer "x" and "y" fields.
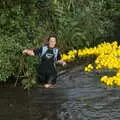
{"x": 63, "y": 63}
{"x": 25, "y": 51}
{"x": 29, "y": 52}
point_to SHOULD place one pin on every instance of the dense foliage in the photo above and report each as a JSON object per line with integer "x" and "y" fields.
{"x": 77, "y": 23}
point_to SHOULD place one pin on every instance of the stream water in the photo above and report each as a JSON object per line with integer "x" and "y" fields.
{"x": 78, "y": 96}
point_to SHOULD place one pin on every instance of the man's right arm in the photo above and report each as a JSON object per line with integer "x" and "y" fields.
{"x": 33, "y": 52}
{"x": 29, "y": 52}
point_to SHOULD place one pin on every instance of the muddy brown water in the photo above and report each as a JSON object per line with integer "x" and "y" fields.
{"x": 81, "y": 92}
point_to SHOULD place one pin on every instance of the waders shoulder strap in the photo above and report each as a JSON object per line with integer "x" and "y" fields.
{"x": 45, "y": 48}
{"x": 55, "y": 51}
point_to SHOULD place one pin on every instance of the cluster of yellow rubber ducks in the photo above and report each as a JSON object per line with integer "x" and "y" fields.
{"x": 110, "y": 81}
{"x": 70, "y": 56}
{"x": 107, "y": 56}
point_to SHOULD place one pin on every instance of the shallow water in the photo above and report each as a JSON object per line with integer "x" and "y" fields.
{"x": 81, "y": 92}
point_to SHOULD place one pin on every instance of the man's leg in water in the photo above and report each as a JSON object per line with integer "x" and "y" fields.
{"x": 46, "y": 84}
{"x": 41, "y": 79}
{"x": 49, "y": 81}
{"x": 52, "y": 80}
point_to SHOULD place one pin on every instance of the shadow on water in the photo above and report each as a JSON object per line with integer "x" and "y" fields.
{"x": 78, "y": 96}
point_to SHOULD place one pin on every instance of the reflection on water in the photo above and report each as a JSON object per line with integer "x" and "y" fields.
{"x": 81, "y": 92}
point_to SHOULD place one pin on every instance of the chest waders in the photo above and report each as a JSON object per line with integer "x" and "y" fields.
{"x": 51, "y": 78}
